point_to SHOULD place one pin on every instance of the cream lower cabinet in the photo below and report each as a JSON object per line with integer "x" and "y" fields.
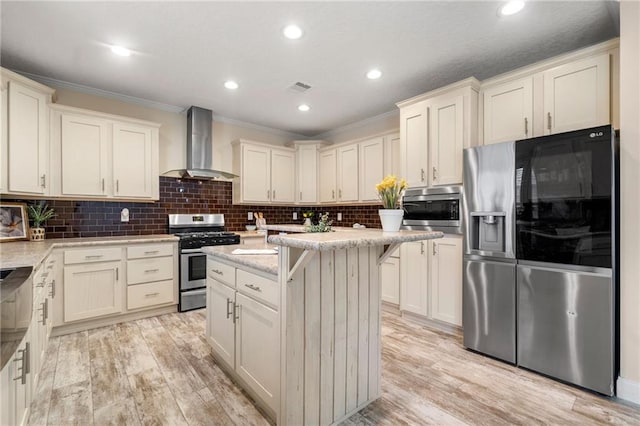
{"x": 414, "y": 278}
{"x": 431, "y": 279}
{"x": 243, "y": 328}
{"x": 16, "y": 385}
{"x": 92, "y": 290}
{"x": 446, "y": 280}
{"x": 390, "y": 280}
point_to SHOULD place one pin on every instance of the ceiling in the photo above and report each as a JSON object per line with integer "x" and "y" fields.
{"x": 183, "y": 52}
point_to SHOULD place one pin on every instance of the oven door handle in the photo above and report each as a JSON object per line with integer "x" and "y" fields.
{"x": 191, "y": 251}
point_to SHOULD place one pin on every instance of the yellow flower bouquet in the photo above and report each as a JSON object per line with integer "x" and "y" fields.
{"x": 390, "y": 190}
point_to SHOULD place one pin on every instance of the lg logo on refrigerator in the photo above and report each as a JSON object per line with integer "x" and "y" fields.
{"x": 596, "y": 134}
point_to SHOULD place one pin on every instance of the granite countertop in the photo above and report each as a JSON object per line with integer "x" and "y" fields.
{"x": 262, "y": 262}
{"x": 32, "y": 253}
{"x": 344, "y": 238}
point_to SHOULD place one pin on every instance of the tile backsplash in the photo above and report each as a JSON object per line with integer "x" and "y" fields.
{"x": 102, "y": 218}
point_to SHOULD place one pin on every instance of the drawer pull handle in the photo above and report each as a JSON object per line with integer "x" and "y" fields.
{"x": 52, "y": 294}
{"x": 236, "y": 315}
{"x": 253, "y": 287}
{"x": 25, "y": 366}
{"x": 152, "y": 270}
{"x": 216, "y": 271}
{"x": 152, "y": 294}
{"x": 151, "y": 252}
{"x": 94, "y": 256}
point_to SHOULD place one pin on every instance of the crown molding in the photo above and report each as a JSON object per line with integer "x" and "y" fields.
{"x": 48, "y": 81}
{"x": 103, "y": 93}
{"x": 259, "y": 127}
{"x": 358, "y": 124}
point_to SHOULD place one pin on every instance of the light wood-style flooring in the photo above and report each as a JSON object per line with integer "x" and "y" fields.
{"x": 159, "y": 371}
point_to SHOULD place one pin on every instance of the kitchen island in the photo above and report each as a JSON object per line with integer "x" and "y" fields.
{"x": 318, "y": 323}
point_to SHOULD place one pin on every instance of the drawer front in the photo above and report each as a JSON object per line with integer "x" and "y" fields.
{"x": 92, "y": 255}
{"x": 150, "y": 294}
{"x": 221, "y": 272}
{"x": 149, "y": 250}
{"x": 259, "y": 288}
{"x": 148, "y": 270}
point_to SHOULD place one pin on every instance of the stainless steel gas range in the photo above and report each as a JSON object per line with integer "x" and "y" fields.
{"x": 196, "y": 231}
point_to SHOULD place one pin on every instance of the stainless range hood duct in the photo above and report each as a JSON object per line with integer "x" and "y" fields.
{"x": 199, "y": 148}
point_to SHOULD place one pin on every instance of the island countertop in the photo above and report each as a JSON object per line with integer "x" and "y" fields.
{"x": 345, "y": 238}
{"x": 262, "y": 262}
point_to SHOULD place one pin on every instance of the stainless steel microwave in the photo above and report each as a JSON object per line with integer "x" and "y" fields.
{"x": 433, "y": 209}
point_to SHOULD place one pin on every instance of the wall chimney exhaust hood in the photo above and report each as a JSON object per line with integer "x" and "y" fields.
{"x": 199, "y": 148}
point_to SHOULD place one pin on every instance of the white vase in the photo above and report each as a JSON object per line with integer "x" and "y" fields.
{"x": 391, "y": 219}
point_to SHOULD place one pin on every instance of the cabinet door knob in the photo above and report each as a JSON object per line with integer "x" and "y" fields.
{"x": 117, "y": 185}
{"x": 274, "y": 194}
{"x": 422, "y": 175}
{"x": 43, "y": 181}
{"x": 268, "y": 194}
{"x": 549, "y": 121}
{"x": 103, "y": 185}
{"x": 435, "y": 173}
{"x": 434, "y": 249}
{"x": 340, "y": 193}
{"x": 421, "y": 247}
{"x": 526, "y": 126}
{"x": 301, "y": 195}
{"x": 333, "y": 194}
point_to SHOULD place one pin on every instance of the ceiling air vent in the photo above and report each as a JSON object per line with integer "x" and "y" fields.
{"x": 299, "y": 87}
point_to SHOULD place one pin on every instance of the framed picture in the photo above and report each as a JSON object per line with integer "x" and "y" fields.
{"x": 14, "y": 222}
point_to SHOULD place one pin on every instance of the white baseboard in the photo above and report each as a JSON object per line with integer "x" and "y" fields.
{"x": 628, "y": 390}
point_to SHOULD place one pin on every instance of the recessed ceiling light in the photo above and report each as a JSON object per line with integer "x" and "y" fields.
{"x": 231, "y": 85}
{"x": 304, "y": 107}
{"x": 119, "y": 50}
{"x": 512, "y": 7}
{"x": 292, "y": 32}
{"x": 374, "y": 74}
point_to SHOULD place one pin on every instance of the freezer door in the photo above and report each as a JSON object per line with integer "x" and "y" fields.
{"x": 566, "y": 325}
{"x": 489, "y": 308}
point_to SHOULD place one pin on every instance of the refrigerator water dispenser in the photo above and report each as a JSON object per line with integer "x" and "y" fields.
{"x": 488, "y": 231}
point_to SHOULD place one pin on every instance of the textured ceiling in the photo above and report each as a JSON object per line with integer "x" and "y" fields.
{"x": 184, "y": 51}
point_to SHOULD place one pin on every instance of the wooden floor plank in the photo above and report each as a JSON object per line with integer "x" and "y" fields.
{"x": 156, "y": 372}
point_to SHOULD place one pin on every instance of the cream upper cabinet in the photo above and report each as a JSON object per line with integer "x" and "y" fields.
{"x": 446, "y": 141}
{"x": 24, "y": 164}
{"x": 414, "y": 278}
{"x": 392, "y": 155}
{"x": 283, "y": 180}
{"x": 576, "y": 95}
{"x": 133, "y": 154}
{"x": 256, "y": 173}
{"x": 446, "y": 280}
{"x": 85, "y": 156}
{"x": 266, "y": 174}
{"x": 329, "y": 174}
{"x": 508, "y": 111}
{"x": 96, "y": 155}
{"x": 307, "y": 173}
{"x": 347, "y": 164}
{"x": 371, "y": 168}
{"x": 434, "y": 130}
{"x": 413, "y": 143}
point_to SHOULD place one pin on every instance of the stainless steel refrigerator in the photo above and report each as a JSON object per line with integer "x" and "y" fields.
{"x": 540, "y": 255}
{"x": 489, "y": 284}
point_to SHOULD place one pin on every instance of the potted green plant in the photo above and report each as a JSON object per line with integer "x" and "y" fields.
{"x": 39, "y": 213}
